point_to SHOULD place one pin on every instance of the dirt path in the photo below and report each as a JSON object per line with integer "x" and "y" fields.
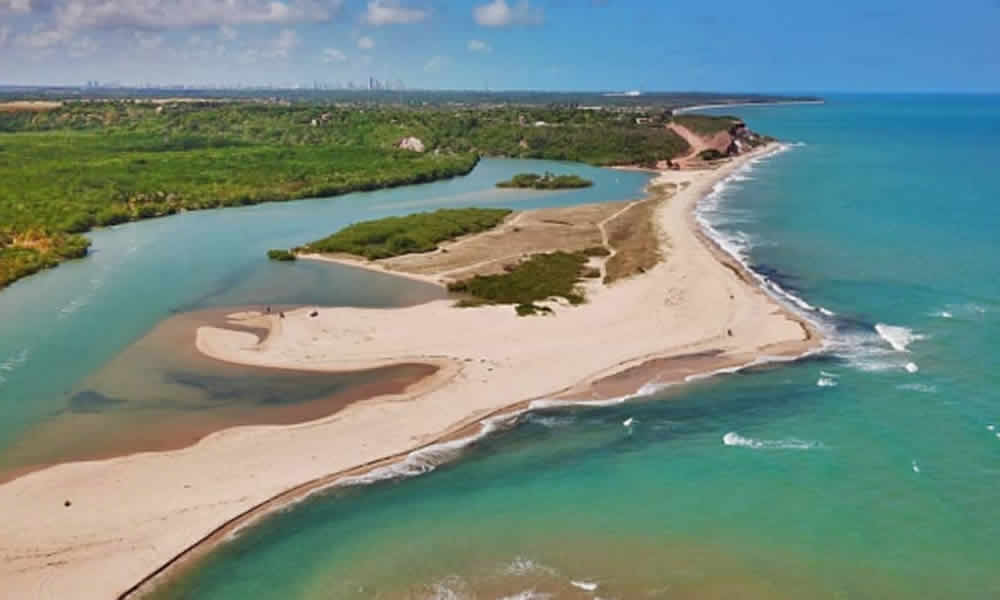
{"x": 605, "y": 238}
{"x": 697, "y": 144}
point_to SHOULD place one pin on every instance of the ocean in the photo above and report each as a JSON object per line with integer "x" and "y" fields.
{"x": 868, "y": 471}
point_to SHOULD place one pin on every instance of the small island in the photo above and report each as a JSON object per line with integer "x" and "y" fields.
{"x": 548, "y": 181}
{"x": 281, "y": 255}
{"x": 396, "y": 236}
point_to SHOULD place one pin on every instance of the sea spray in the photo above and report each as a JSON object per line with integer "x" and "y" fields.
{"x": 734, "y": 439}
{"x": 898, "y": 337}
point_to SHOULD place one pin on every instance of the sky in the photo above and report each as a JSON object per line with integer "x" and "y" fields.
{"x": 650, "y": 45}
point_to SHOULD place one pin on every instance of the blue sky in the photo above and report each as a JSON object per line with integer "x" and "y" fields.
{"x": 778, "y": 45}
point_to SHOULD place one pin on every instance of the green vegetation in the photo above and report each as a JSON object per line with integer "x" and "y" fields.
{"x": 711, "y": 154}
{"x": 596, "y": 251}
{"x": 538, "y": 278}
{"x": 281, "y": 255}
{"x": 548, "y": 181}
{"x": 94, "y": 164}
{"x": 706, "y": 125}
{"x": 24, "y": 253}
{"x": 525, "y": 310}
{"x": 420, "y": 232}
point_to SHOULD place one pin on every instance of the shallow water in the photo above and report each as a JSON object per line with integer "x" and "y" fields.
{"x": 76, "y": 336}
{"x": 868, "y": 472}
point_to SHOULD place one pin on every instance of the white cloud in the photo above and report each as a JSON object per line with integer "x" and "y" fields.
{"x": 62, "y": 22}
{"x": 366, "y": 43}
{"x": 332, "y": 55}
{"x": 84, "y": 46}
{"x": 500, "y": 14}
{"x": 148, "y": 41}
{"x": 479, "y": 46}
{"x": 281, "y": 46}
{"x": 163, "y": 14}
{"x": 18, "y": 7}
{"x": 390, "y": 12}
{"x": 228, "y": 33}
{"x": 42, "y": 39}
{"x": 436, "y": 64}
{"x": 278, "y": 48}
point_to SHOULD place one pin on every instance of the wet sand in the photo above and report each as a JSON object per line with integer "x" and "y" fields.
{"x": 161, "y": 394}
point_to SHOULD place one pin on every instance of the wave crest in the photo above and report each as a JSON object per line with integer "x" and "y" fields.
{"x": 734, "y": 439}
{"x": 898, "y": 337}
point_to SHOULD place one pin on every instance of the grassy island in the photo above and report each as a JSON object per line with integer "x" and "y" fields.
{"x": 548, "y": 181}
{"x": 420, "y": 232}
{"x": 281, "y": 255}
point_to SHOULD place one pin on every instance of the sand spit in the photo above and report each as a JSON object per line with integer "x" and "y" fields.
{"x": 130, "y": 516}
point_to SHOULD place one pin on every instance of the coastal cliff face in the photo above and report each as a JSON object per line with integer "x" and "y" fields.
{"x": 736, "y": 140}
{"x": 712, "y": 138}
{"x": 743, "y": 139}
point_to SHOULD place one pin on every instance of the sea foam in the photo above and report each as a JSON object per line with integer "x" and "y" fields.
{"x": 899, "y": 338}
{"x": 923, "y": 388}
{"x": 738, "y": 244}
{"x": 588, "y": 586}
{"x": 734, "y": 439}
{"x": 527, "y": 595}
{"x": 13, "y": 362}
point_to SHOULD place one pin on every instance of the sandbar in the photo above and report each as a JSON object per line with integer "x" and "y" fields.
{"x": 129, "y": 517}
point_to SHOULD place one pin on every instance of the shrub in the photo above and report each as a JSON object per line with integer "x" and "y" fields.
{"x": 280, "y": 255}
{"x": 420, "y": 232}
{"x": 540, "y": 277}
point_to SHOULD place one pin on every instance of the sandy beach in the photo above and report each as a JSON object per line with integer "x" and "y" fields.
{"x": 97, "y": 529}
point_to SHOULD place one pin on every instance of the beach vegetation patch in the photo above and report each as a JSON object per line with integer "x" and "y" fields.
{"x": 711, "y": 154}
{"x": 281, "y": 255}
{"x": 538, "y": 278}
{"x": 596, "y": 251}
{"x": 547, "y": 181}
{"x": 420, "y": 232}
{"x": 524, "y": 310}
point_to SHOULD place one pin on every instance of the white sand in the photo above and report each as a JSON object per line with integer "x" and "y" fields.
{"x": 131, "y": 515}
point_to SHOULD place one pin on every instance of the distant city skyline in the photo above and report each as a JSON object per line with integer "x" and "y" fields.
{"x": 853, "y": 45}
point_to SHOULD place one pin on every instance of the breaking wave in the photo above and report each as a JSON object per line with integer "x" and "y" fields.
{"x": 899, "y": 338}
{"x": 587, "y": 586}
{"x": 734, "y": 439}
{"x": 923, "y": 388}
{"x": 12, "y": 362}
{"x": 710, "y": 215}
{"x": 429, "y": 458}
{"x": 527, "y": 595}
{"x": 526, "y": 566}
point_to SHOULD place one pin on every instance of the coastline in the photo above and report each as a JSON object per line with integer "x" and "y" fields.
{"x": 104, "y": 552}
{"x": 696, "y": 107}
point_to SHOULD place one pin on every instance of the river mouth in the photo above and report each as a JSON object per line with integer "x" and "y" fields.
{"x": 161, "y": 394}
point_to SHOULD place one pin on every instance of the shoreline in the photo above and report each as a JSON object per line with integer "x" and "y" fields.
{"x": 696, "y": 107}
{"x": 288, "y": 478}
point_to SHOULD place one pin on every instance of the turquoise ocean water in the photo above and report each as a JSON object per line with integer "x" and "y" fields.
{"x": 870, "y": 471}
{"x": 845, "y": 476}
